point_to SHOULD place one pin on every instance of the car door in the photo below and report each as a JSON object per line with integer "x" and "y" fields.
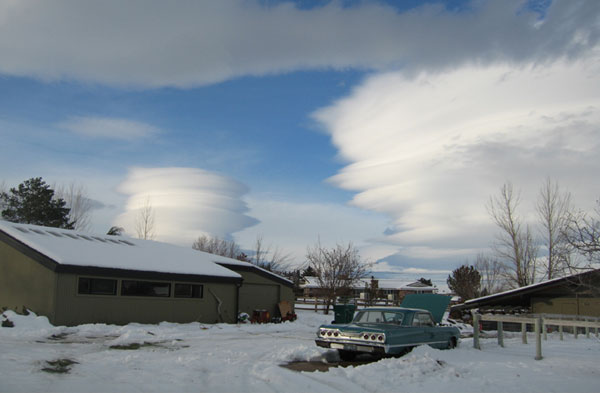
{"x": 433, "y": 334}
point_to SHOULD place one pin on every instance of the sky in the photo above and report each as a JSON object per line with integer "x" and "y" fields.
{"x": 384, "y": 124}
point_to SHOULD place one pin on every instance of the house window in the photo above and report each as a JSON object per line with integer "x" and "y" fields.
{"x": 97, "y": 286}
{"x": 188, "y": 290}
{"x": 145, "y": 288}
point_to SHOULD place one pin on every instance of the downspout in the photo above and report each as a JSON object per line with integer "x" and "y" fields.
{"x": 237, "y": 300}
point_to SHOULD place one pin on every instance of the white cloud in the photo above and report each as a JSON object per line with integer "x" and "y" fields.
{"x": 157, "y": 43}
{"x": 107, "y": 127}
{"x": 187, "y": 202}
{"x": 429, "y": 150}
{"x": 293, "y": 226}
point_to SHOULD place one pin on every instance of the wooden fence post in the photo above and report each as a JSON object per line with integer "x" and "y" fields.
{"x": 524, "y": 332}
{"x": 560, "y": 330}
{"x": 545, "y": 330}
{"x": 538, "y": 338}
{"x": 476, "y": 331}
{"x": 500, "y": 334}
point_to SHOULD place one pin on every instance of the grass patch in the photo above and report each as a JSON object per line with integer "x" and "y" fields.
{"x": 59, "y": 366}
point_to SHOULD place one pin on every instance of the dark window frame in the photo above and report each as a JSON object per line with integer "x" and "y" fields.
{"x": 94, "y": 285}
{"x": 143, "y": 288}
{"x": 196, "y": 291}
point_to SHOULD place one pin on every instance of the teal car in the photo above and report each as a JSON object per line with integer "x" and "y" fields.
{"x": 386, "y": 331}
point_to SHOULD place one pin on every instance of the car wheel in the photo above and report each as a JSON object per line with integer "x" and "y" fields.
{"x": 452, "y": 343}
{"x": 346, "y": 356}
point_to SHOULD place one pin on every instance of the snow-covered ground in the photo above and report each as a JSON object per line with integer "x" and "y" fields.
{"x": 246, "y": 358}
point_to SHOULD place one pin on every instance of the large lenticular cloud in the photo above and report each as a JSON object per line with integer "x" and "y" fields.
{"x": 430, "y": 150}
{"x": 187, "y": 203}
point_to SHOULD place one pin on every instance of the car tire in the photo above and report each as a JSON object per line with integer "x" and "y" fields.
{"x": 452, "y": 343}
{"x": 346, "y": 356}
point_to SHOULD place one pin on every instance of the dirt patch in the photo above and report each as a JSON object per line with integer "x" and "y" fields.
{"x": 161, "y": 344}
{"x": 317, "y": 365}
{"x": 59, "y": 366}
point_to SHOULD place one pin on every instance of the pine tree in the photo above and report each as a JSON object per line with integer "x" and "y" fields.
{"x": 465, "y": 282}
{"x": 32, "y": 202}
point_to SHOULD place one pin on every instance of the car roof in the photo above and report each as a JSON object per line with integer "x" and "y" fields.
{"x": 399, "y": 309}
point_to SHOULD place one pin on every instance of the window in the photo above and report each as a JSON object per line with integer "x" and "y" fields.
{"x": 97, "y": 286}
{"x": 145, "y": 288}
{"x": 188, "y": 290}
{"x": 422, "y": 320}
{"x": 394, "y": 318}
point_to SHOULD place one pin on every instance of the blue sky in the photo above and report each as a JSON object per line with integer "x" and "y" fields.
{"x": 388, "y": 124}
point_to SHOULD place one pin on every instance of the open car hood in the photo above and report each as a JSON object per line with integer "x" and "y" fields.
{"x": 434, "y": 303}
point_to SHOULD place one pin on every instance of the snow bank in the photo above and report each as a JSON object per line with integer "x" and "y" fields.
{"x": 225, "y": 358}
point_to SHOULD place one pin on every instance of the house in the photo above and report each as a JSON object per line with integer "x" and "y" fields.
{"x": 74, "y": 278}
{"x": 261, "y": 289}
{"x": 390, "y": 289}
{"x": 577, "y": 294}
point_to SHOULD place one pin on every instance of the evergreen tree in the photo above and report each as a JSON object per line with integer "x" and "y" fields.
{"x": 32, "y": 202}
{"x": 465, "y": 282}
{"x": 425, "y": 281}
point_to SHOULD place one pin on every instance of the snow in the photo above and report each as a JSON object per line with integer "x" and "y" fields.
{"x": 143, "y": 255}
{"x": 235, "y": 358}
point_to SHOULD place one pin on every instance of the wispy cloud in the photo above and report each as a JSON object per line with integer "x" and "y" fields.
{"x": 294, "y": 225}
{"x": 108, "y": 127}
{"x": 429, "y": 150}
{"x": 187, "y": 202}
{"x": 153, "y": 43}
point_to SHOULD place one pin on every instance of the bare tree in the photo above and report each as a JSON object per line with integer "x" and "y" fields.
{"x": 514, "y": 244}
{"x": 115, "y": 231}
{"x": 217, "y": 246}
{"x": 583, "y": 234}
{"x": 75, "y": 196}
{"x": 553, "y": 208}
{"x": 490, "y": 270}
{"x": 144, "y": 223}
{"x": 273, "y": 260}
{"x": 3, "y": 190}
{"x": 337, "y": 269}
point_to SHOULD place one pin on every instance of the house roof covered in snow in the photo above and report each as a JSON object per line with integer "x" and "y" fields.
{"x": 517, "y": 294}
{"x": 70, "y": 249}
{"x": 238, "y": 265}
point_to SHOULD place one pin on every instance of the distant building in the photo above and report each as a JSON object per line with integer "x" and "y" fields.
{"x": 74, "y": 278}
{"x": 389, "y": 289}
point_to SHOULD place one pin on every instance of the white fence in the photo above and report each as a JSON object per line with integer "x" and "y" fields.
{"x": 540, "y": 322}
{"x": 318, "y": 304}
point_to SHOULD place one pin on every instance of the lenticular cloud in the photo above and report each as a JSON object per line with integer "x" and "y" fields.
{"x": 187, "y": 202}
{"x": 429, "y": 150}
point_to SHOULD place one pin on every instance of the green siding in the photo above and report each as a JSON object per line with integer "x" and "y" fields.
{"x": 26, "y": 283}
{"x": 262, "y": 293}
{"x": 567, "y": 305}
{"x": 76, "y": 309}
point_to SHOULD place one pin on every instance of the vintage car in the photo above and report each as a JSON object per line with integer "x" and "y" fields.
{"x": 386, "y": 331}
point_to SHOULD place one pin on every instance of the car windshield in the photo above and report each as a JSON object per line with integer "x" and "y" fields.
{"x": 388, "y": 317}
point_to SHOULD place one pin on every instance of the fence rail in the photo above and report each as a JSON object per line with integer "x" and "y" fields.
{"x": 317, "y": 304}
{"x": 540, "y": 323}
